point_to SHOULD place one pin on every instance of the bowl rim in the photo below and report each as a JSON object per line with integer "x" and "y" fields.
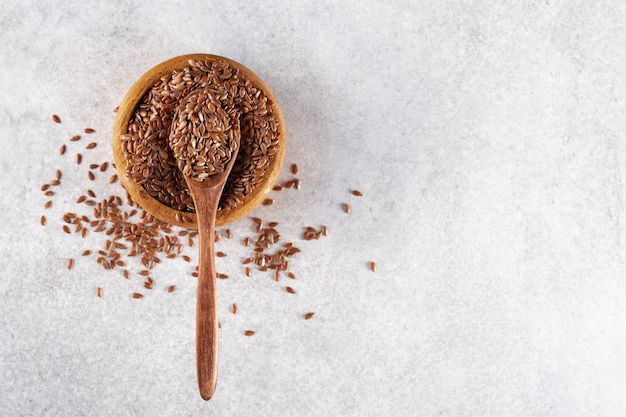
{"x": 152, "y": 205}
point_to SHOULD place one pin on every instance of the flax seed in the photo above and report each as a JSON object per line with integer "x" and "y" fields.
{"x": 346, "y": 207}
{"x": 268, "y": 202}
{"x": 373, "y": 266}
{"x": 62, "y": 149}
{"x": 99, "y": 291}
{"x": 75, "y": 138}
{"x": 91, "y": 176}
{"x": 294, "y": 169}
{"x": 234, "y": 308}
{"x": 89, "y": 130}
{"x": 79, "y": 158}
{"x": 290, "y": 290}
{"x": 56, "y": 119}
{"x": 307, "y": 316}
{"x": 43, "y": 221}
{"x": 70, "y": 263}
{"x": 357, "y": 193}
{"x": 249, "y": 332}
{"x": 91, "y": 145}
{"x": 137, "y": 295}
{"x": 171, "y": 288}
{"x": 47, "y": 204}
{"x": 112, "y": 178}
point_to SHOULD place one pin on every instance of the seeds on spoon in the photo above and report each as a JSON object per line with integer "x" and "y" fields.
{"x": 203, "y": 135}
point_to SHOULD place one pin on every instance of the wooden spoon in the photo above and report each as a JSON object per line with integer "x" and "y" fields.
{"x": 206, "y": 195}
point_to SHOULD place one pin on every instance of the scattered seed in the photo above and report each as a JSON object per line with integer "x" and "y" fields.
{"x": 89, "y": 130}
{"x": 62, "y": 149}
{"x": 99, "y": 291}
{"x": 307, "y": 316}
{"x": 86, "y": 252}
{"x": 290, "y": 290}
{"x": 137, "y": 295}
{"x": 75, "y": 138}
{"x": 171, "y": 288}
{"x": 91, "y": 176}
{"x": 249, "y": 332}
{"x": 47, "y": 204}
{"x": 268, "y": 202}
{"x": 45, "y": 187}
{"x": 104, "y": 166}
{"x": 70, "y": 263}
{"x": 220, "y": 254}
{"x": 346, "y": 207}
{"x": 373, "y": 266}
{"x": 294, "y": 169}
{"x": 56, "y": 119}
{"x": 43, "y": 221}
{"x": 79, "y": 158}
{"x": 357, "y": 193}
{"x": 91, "y": 145}
{"x": 49, "y": 193}
{"x": 248, "y": 271}
{"x": 112, "y": 178}
{"x": 234, "y": 308}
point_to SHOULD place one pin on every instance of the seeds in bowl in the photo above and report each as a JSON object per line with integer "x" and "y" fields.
{"x": 151, "y": 163}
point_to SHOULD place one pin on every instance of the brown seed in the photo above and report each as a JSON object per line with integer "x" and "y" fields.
{"x": 294, "y": 169}
{"x": 325, "y": 230}
{"x": 56, "y": 119}
{"x": 89, "y": 130}
{"x": 86, "y": 252}
{"x": 220, "y": 254}
{"x": 43, "y": 221}
{"x": 49, "y": 193}
{"x": 91, "y": 176}
{"x": 373, "y": 266}
{"x": 248, "y": 271}
{"x": 75, "y": 138}
{"x": 104, "y": 166}
{"x": 70, "y": 263}
{"x": 186, "y": 258}
{"x": 246, "y": 241}
{"x": 357, "y": 193}
{"x": 45, "y": 187}
{"x": 307, "y": 316}
{"x": 79, "y": 158}
{"x": 81, "y": 199}
{"x": 221, "y": 276}
{"x": 62, "y": 149}
{"x": 47, "y": 204}
{"x": 268, "y": 202}
{"x": 126, "y": 273}
{"x": 91, "y": 145}
{"x": 171, "y": 288}
{"x": 346, "y": 207}
{"x": 112, "y": 178}
{"x": 116, "y": 109}
{"x": 93, "y": 166}
{"x": 66, "y": 229}
{"x": 137, "y": 295}
{"x": 234, "y": 308}
{"x": 291, "y": 275}
{"x": 290, "y": 290}
{"x": 57, "y": 174}
{"x": 228, "y": 234}
{"x": 249, "y": 332}
{"x": 277, "y": 188}
{"x": 55, "y": 183}
{"x": 99, "y": 291}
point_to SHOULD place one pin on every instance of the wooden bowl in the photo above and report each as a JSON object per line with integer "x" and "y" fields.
{"x": 152, "y": 205}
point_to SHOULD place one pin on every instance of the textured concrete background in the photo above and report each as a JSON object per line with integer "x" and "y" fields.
{"x": 488, "y": 140}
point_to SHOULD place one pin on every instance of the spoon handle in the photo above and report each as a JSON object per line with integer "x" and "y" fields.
{"x": 206, "y": 307}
